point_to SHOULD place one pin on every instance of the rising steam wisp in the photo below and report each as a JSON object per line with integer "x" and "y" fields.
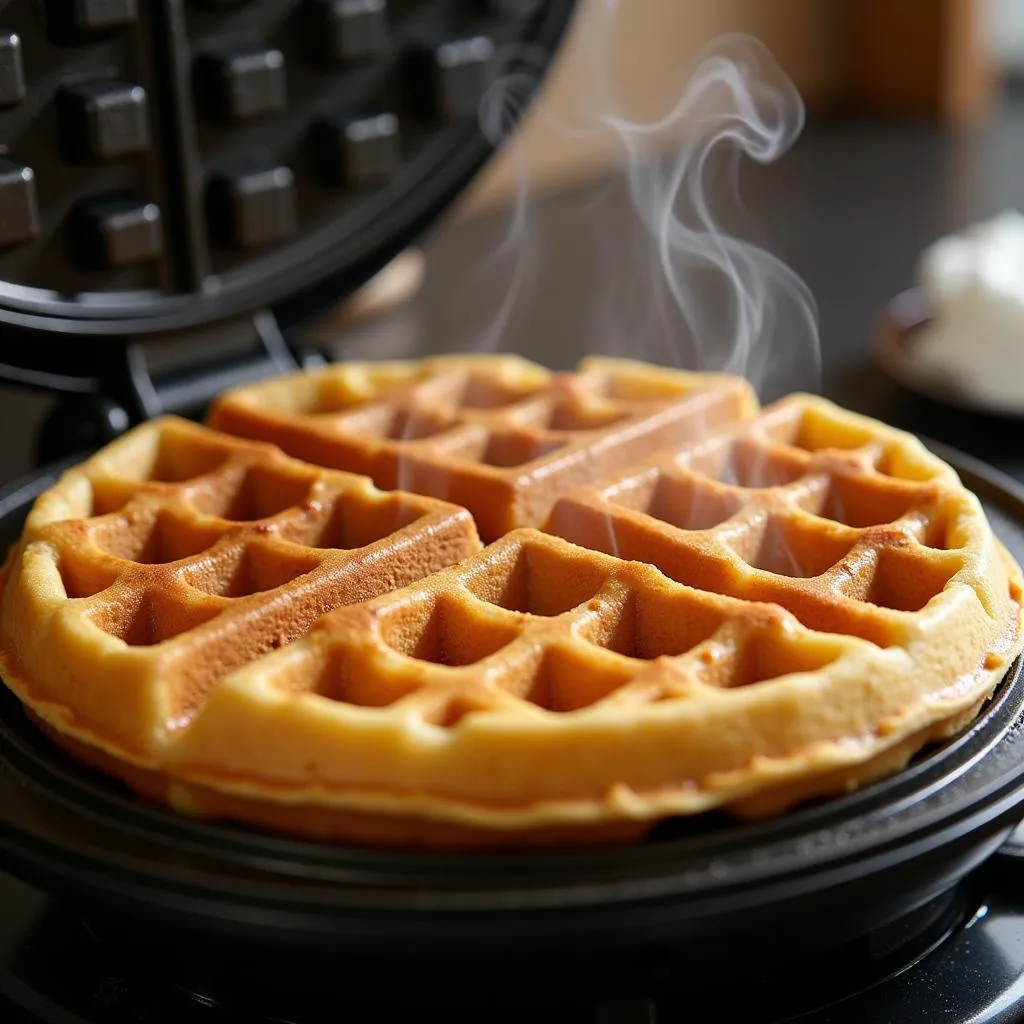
{"x": 684, "y": 289}
{"x": 724, "y": 302}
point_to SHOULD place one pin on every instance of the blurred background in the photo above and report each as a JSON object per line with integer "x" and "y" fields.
{"x": 915, "y": 128}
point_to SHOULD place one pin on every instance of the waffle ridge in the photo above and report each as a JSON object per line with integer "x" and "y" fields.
{"x": 765, "y": 605}
{"x": 822, "y": 531}
{"x": 497, "y": 434}
{"x": 182, "y": 554}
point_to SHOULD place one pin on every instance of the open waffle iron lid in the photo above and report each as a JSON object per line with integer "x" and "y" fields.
{"x": 181, "y": 180}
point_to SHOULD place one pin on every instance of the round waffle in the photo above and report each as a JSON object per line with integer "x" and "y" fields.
{"x": 685, "y": 602}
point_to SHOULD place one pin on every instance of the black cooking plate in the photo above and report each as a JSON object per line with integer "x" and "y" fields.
{"x": 170, "y": 163}
{"x": 820, "y": 876}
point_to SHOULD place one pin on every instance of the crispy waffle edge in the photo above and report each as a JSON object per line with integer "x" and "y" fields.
{"x": 864, "y": 643}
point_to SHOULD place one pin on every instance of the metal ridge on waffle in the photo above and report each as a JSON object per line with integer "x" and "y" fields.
{"x": 697, "y": 604}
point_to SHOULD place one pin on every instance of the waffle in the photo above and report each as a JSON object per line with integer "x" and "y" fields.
{"x": 765, "y": 605}
{"x": 498, "y": 435}
{"x": 176, "y": 556}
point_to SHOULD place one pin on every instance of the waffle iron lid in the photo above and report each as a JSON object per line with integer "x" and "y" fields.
{"x": 171, "y": 164}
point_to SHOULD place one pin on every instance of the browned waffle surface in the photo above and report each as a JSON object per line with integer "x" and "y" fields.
{"x": 852, "y": 527}
{"x": 177, "y": 555}
{"x": 497, "y": 434}
{"x": 787, "y": 603}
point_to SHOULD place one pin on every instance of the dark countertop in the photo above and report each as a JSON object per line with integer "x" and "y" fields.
{"x": 850, "y": 208}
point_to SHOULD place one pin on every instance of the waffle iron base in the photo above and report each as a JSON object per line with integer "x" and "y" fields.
{"x": 890, "y": 903}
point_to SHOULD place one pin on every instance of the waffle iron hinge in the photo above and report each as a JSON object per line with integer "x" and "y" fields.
{"x": 158, "y": 375}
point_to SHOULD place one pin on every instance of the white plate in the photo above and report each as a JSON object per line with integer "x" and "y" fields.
{"x": 894, "y": 348}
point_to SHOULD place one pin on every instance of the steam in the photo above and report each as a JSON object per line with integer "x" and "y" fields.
{"x": 741, "y": 103}
{"x": 685, "y": 291}
{"x": 501, "y": 108}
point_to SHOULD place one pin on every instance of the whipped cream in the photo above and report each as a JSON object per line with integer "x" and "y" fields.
{"x": 974, "y": 282}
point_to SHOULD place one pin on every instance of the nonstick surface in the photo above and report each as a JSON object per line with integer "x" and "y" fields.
{"x": 172, "y": 162}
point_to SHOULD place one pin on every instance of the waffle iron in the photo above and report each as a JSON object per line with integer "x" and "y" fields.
{"x": 184, "y": 181}
{"x": 183, "y": 185}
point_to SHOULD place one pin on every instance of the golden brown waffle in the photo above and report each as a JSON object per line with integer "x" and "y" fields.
{"x": 788, "y": 606}
{"x": 177, "y": 555}
{"x": 497, "y": 434}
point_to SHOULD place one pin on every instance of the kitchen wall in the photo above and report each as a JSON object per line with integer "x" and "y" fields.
{"x": 653, "y": 47}
{"x": 889, "y": 58}
{"x": 1004, "y": 33}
